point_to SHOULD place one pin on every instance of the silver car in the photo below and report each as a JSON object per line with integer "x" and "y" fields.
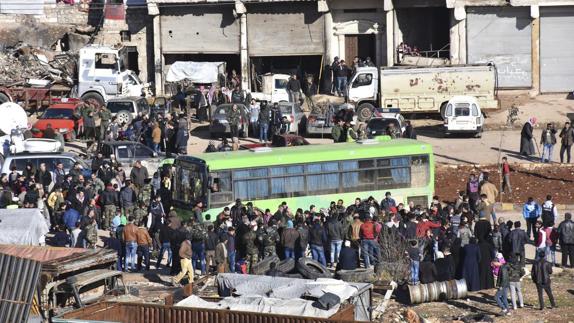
{"x": 219, "y": 125}
{"x": 294, "y": 115}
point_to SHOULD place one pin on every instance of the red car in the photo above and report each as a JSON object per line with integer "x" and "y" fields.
{"x": 64, "y": 117}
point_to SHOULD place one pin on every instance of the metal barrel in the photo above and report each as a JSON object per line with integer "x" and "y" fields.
{"x": 437, "y": 291}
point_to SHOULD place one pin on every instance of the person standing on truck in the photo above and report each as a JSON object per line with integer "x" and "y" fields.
{"x": 334, "y": 67}
{"x": 342, "y": 74}
{"x": 294, "y": 88}
{"x": 105, "y": 117}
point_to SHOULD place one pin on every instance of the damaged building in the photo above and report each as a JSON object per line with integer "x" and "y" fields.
{"x": 526, "y": 39}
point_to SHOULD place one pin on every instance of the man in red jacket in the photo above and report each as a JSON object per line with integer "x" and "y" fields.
{"x": 424, "y": 225}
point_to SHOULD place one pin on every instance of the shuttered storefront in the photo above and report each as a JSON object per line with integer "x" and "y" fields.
{"x": 285, "y": 29}
{"x": 199, "y": 30}
{"x": 556, "y": 49}
{"x": 501, "y": 35}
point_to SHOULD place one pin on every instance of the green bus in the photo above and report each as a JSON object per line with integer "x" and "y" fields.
{"x": 306, "y": 175}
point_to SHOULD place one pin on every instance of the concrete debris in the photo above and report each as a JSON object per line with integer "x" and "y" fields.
{"x": 20, "y": 64}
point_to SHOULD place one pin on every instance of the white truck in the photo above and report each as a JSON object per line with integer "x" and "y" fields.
{"x": 420, "y": 89}
{"x": 102, "y": 74}
{"x": 273, "y": 88}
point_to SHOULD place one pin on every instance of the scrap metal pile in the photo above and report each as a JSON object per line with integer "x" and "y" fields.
{"x": 24, "y": 64}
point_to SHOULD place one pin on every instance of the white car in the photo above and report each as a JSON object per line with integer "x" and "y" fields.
{"x": 463, "y": 115}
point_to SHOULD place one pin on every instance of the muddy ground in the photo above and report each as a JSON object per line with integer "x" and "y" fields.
{"x": 526, "y": 181}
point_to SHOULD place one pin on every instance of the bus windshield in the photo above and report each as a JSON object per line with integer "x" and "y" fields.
{"x": 190, "y": 180}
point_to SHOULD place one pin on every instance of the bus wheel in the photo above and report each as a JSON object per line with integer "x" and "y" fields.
{"x": 365, "y": 111}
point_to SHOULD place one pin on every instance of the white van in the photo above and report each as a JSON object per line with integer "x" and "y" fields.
{"x": 463, "y": 115}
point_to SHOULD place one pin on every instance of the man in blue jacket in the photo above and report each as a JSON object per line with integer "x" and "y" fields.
{"x": 71, "y": 217}
{"x": 531, "y": 211}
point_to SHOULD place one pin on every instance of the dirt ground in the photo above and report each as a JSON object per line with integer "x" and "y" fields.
{"x": 483, "y": 304}
{"x": 526, "y": 182}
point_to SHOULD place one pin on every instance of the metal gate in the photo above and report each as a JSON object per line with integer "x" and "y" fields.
{"x": 199, "y": 30}
{"x": 503, "y": 36}
{"x": 556, "y": 47}
{"x": 285, "y": 29}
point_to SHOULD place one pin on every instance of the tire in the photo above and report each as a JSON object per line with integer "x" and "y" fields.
{"x": 312, "y": 269}
{"x": 124, "y": 116}
{"x": 286, "y": 266}
{"x": 365, "y": 111}
{"x": 361, "y": 275}
{"x": 94, "y": 98}
{"x": 4, "y": 98}
{"x": 443, "y": 110}
{"x": 263, "y": 266}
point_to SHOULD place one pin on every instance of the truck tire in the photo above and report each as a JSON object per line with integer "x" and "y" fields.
{"x": 263, "y": 266}
{"x": 94, "y": 99}
{"x": 286, "y": 266}
{"x": 360, "y": 275}
{"x": 312, "y": 269}
{"x": 4, "y": 98}
{"x": 443, "y": 109}
{"x": 124, "y": 116}
{"x": 365, "y": 111}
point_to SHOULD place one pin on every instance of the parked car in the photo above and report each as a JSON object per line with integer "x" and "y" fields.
{"x": 127, "y": 152}
{"x": 294, "y": 115}
{"x": 50, "y": 159}
{"x": 63, "y": 117}
{"x": 381, "y": 119}
{"x": 219, "y": 125}
{"x": 322, "y": 119}
{"x": 463, "y": 115}
{"x": 286, "y": 140}
{"x": 127, "y": 108}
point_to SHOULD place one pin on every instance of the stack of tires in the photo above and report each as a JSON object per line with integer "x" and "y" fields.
{"x": 303, "y": 268}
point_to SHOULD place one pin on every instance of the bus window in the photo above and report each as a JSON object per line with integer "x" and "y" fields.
{"x": 248, "y": 188}
{"x": 221, "y": 193}
{"x": 420, "y": 172}
{"x": 287, "y": 181}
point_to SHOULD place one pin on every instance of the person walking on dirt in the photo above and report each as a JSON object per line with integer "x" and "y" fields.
{"x": 526, "y": 136}
{"x": 548, "y": 140}
{"x": 541, "y": 271}
{"x": 506, "y": 188}
{"x": 566, "y": 141}
{"x": 566, "y": 238}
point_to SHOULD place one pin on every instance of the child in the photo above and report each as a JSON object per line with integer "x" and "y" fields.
{"x": 505, "y": 176}
{"x": 503, "y": 283}
{"x": 497, "y": 238}
{"x": 414, "y": 255}
{"x": 496, "y": 263}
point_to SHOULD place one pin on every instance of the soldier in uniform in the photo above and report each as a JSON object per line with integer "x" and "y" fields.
{"x": 91, "y": 232}
{"x": 110, "y": 201}
{"x": 252, "y": 253}
{"x": 198, "y": 238}
{"x": 140, "y": 213}
{"x": 270, "y": 239}
{"x": 105, "y": 117}
{"x": 146, "y": 193}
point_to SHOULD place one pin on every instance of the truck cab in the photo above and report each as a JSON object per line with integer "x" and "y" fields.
{"x": 102, "y": 74}
{"x": 363, "y": 91}
{"x": 273, "y": 88}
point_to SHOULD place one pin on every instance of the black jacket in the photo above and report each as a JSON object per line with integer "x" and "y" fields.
{"x": 212, "y": 240}
{"x": 427, "y": 272}
{"x": 566, "y": 230}
{"x": 109, "y": 197}
{"x": 517, "y": 239}
{"x": 317, "y": 235}
{"x": 541, "y": 271}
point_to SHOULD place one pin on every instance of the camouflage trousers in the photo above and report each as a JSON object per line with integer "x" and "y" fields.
{"x": 269, "y": 251}
{"x": 108, "y": 215}
{"x": 251, "y": 259}
{"x": 128, "y": 211}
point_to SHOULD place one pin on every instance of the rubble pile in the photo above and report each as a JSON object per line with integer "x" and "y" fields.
{"x": 21, "y": 64}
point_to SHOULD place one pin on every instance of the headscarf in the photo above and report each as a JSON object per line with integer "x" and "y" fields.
{"x": 532, "y": 121}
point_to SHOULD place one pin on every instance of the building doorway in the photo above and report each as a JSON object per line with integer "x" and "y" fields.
{"x": 362, "y": 46}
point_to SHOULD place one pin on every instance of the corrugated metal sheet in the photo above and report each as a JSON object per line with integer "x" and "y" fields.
{"x": 138, "y": 313}
{"x": 285, "y": 30}
{"x": 18, "y": 280}
{"x": 556, "y": 47}
{"x": 501, "y": 35}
